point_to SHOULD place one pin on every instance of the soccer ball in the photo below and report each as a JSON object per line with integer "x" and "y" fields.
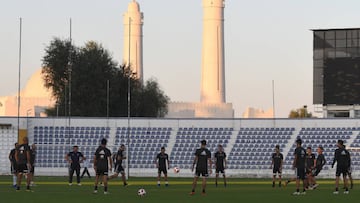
{"x": 176, "y": 170}
{"x": 141, "y": 192}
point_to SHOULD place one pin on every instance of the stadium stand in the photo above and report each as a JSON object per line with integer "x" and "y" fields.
{"x": 355, "y": 152}
{"x": 248, "y": 143}
{"x": 325, "y": 137}
{"x": 8, "y": 136}
{"x": 53, "y": 143}
{"x": 145, "y": 143}
{"x": 254, "y": 146}
{"x": 188, "y": 139}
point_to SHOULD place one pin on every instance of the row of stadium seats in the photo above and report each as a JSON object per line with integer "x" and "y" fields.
{"x": 329, "y": 133}
{"x": 137, "y": 137}
{"x": 267, "y": 133}
{"x": 137, "y": 133}
{"x": 254, "y": 146}
{"x": 251, "y": 148}
{"x": 356, "y": 142}
{"x": 67, "y": 128}
{"x": 187, "y": 139}
{"x": 259, "y": 140}
{"x": 312, "y": 138}
{"x": 267, "y": 129}
{"x": 205, "y": 133}
{"x": 331, "y": 129}
{"x": 205, "y": 129}
{"x": 144, "y": 143}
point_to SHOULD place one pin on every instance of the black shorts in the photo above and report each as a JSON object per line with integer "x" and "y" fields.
{"x": 102, "y": 171}
{"x": 342, "y": 170}
{"x": 162, "y": 170}
{"x": 220, "y": 170}
{"x": 75, "y": 167}
{"x": 22, "y": 168}
{"x": 203, "y": 173}
{"x": 316, "y": 171}
{"x": 13, "y": 168}
{"x": 276, "y": 170}
{"x": 119, "y": 169}
{"x": 300, "y": 173}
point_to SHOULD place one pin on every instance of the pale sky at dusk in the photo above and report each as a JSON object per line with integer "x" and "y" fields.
{"x": 265, "y": 40}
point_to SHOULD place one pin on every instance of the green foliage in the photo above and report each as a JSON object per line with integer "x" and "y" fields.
{"x": 300, "y": 113}
{"x": 95, "y": 77}
{"x": 152, "y": 100}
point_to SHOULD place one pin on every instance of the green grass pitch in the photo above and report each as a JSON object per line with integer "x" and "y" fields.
{"x": 56, "y": 190}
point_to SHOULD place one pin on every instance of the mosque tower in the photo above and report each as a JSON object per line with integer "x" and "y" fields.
{"x": 133, "y": 39}
{"x": 213, "y": 58}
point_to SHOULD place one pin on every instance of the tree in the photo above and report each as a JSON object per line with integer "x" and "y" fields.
{"x": 153, "y": 100}
{"x": 55, "y": 71}
{"x": 300, "y": 113}
{"x": 95, "y": 77}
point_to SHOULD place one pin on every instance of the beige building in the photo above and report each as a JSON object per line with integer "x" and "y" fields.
{"x": 34, "y": 99}
{"x": 199, "y": 110}
{"x": 251, "y": 112}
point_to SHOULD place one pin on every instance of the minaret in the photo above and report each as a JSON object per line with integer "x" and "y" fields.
{"x": 133, "y": 39}
{"x": 213, "y": 60}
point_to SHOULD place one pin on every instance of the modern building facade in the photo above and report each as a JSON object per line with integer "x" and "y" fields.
{"x": 336, "y": 85}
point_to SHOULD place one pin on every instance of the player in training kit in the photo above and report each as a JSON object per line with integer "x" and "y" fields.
{"x": 276, "y": 164}
{"x": 119, "y": 157}
{"x": 13, "y": 164}
{"x": 220, "y": 164}
{"x": 22, "y": 156}
{"x": 310, "y": 166}
{"x": 349, "y": 175}
{"x": 86, "y": 168}
{"x": 320, "y": 163}
{"x": 342, "y": 157}
{"x": 102, "y": 162}
{"x": 32, "y": 162}
{"x": 202, "y": 160}
{"x": 299, "y": 166}
{"x": 74, "y": 158}
{"x": 162, "y": 164}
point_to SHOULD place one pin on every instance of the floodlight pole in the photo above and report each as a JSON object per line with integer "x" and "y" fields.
{"x": 129, "y": 104}
{"x": 107, "y": 102}
{"x": 27, "y": 118}
{"x": 69, "y": 81}
{"x": 19, "y": 80}
{"x": 273, "y": 100}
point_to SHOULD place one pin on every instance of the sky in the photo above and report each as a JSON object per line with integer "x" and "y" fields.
{"x": 265, "y": 41}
